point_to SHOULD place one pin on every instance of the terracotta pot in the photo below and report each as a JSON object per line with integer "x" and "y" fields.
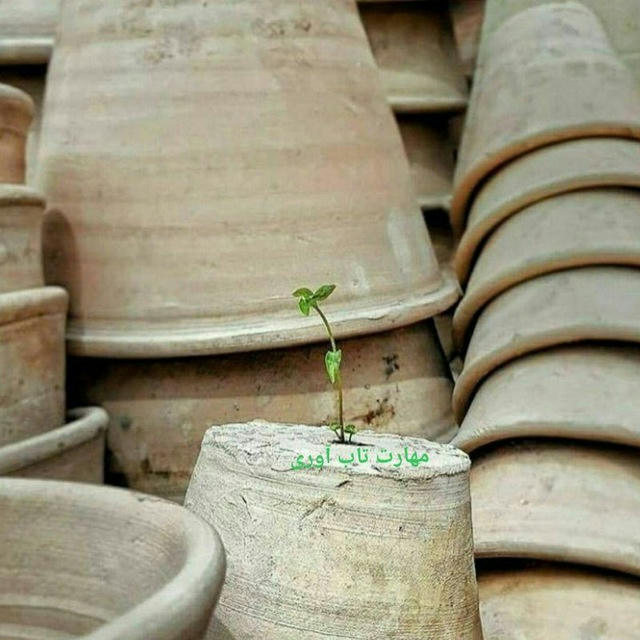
{"x": 585, "y": 392}
{"x": 16, "y": 113}
{"x": 32, "y": 361}
{"x": 27, "y": 30}
{"x": 546, "y": 172}
{"x": 558, "y": 500}
{"x": 467, "y": 17}
{"x": 160, "y": 409}
{"x": 103, "y": 563}
{"x": 414, "y": 47}
{"x": 547, "y": 75}
{"x": 344, "y": 551}
{"x": 557, "y": 601}
{"x": 281, "y": 175}
{"x": 595, "y": 226}
{"x": 590, "y": 303}
{"x": 73, "y": 452}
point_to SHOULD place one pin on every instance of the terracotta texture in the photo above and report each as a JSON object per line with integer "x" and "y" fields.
{"x": 32, "y": 362}
{"x": 545, "y": 172}
{"x": 558, "y": 601}
{"x": 103, "y": 564}
{"x": 595, "y": 226}
{"x": 581, "y": 391}
{"x": 280, "y": 175}
{"x": 341, "y": 552}
{"x": 547, "y": 75}
{"x": 413, "y": 45}
{"x": 160, "y": 409}
{"x": 558, "y": 500}
{"x": 72, "y": 452}
{"x": 590, "y": 303}
{"x": 16, "y": 114}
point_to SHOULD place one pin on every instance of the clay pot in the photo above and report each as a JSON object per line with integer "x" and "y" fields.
{"x": 546, "y": 172}
{"x": 16, "y": 113}
{"x": 547, "y": 75}
{"x": 280, "y": 175}
{"x": 32, "y": 361}
{"x": 558, "y": 500}
{"x": 590, "y": 303}
{"x": 596, "y": 226}
{"x": 414, "y": 47}
{"x": 557, "y": 601}
{"x": 581, "y": 391}
{"x": 73, "y": 452}
{"x": 348, "y": 551}
{"x": 396, "y": 382}
{"x": 103, "y": 563}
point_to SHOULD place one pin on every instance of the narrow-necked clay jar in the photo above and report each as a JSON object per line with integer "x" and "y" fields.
{"x": 547, "y": 75}
{"x": 268, "y": 159}
{"x": 590, "y": 227}
{"x": 16, "y": 114}
{"x": 72, "y": 452}
{"x": 395, "y": 382}
{"x": 549, "y": 171}
{"x": 589, "y": 303}
{"x": 558, "y": 500}
{"x": 585, "y": 392}
{"x": 103, "y": 563}
{"x": 414, "y": 47}
{"x": 559, "y": 601}
{"x": 349, "y": 550}
{"x": 32, "y": 362}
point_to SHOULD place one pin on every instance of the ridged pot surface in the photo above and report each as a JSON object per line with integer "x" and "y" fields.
{"x": 248, "y": 150}
{"x": 344, "y": 551}
{"x": 16, "y": 113}
{"x": 27, "y": 30}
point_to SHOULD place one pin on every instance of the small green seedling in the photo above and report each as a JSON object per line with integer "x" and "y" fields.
{"x": 308, "y": 300}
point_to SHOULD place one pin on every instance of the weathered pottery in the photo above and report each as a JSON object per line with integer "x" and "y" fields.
{"x": 73, "y": 452}
{"x": 558, "y": 500}
{"x": 16, "y": 114}
{"x": 589, "y": 303}
{"x": 248, "y": 150}
{"x": 549, "y": 171}
{"x": 585, "y": 392}
{"x": 103, "y": 563}
{"x": 547, "y": 75}
{"x": 32, "y": 362}
{"x": 414, "y": 47}
{"x": 395, "y": 382}
{"x": 557, "y": 601}
{"x": 595, "y": 226}
{"x": 342, "y": 551}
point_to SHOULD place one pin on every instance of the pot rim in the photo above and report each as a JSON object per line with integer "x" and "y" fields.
{"x": 21, "y": 195}
{"x": 22, "y": 50}
{"x": 31, "y": 303}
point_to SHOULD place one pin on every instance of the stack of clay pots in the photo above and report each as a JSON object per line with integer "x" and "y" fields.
{"x": 548, "y": 206}
{"x": 33, "y": 440}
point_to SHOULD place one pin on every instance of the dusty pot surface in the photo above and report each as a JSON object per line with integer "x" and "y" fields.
{"x": 558, "y": 500}
{"x": 341, "y": 550}
{"x": 32, "y": 362}
{"x": 546, "y": 76}
{"x": 581, "y": 391}
{"x": 589, "y": 303}
{"x": 413, "y": 45}
{"x": 103, "y": 564}
{"x": 16, "y": 114}
{"x": 553, "y": 170}
{"x": 558, "y": 601}
{"x": 591, "y": 227}
{"x": 319, "y": 191}
{"x": 160, "y": 409}
{"x": 72, "y": 452}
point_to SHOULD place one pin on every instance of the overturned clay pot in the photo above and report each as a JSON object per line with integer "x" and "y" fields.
{"x": 103, "y": 564}
{"x": 16, "y": 113}
{"x": 353, "y": 548}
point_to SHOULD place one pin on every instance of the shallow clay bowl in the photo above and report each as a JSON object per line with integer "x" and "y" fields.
{"x": 586, "y": 392}
{"x": 595, "y": 226}
{"x": 103, "y": 563}
{"x": 546, "y": 75}
{"x": 27, "y": 30}
{"x": 552, "y": 170}
{"x": 589, "y": 303}
{"x": 558, "y": 601}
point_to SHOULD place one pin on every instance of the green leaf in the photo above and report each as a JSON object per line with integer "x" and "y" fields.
{"x": 323, "y": 292}
{"x": 332, "y": 360}
{"x": 350, "y": 428}
{"x": 334, "y": 426}
{"x": 303, "y": 292}
{"x": 305, "y": 306}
